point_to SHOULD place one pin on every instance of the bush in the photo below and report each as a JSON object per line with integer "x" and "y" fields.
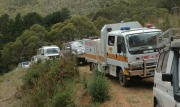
{"x": 63, "y": 99}
{"x": 99, "y": 87}
{"x": 46, "y": 84}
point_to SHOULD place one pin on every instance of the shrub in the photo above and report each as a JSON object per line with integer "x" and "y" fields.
{"x": 99, "y": 87}
{"x": 63, "y": 99}
{"x": 84, "y": 81}
{"x": 46, "y": 84}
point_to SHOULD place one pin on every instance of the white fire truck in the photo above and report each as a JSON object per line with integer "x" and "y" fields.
{"x": 125, "y": 50}
{"x": 166, "y": 88}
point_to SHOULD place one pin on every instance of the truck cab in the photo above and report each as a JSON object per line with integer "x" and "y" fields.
{"x": 125, "y": 50}
{"x": 166, "y": 90}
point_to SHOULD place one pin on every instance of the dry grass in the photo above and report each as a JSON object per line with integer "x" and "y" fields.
{"x": 9, "y": 86}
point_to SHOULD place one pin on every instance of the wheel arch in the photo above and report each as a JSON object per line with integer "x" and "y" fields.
{"x": 118, "y": 68}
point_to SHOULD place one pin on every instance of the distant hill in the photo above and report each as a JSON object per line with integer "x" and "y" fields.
{"x": 44, "y": 7}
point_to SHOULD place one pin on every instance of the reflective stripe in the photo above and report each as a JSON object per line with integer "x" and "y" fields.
{"x": 111, "y": 56}
{"x": 117, "y": 57}
{"x": 90, "y": 56}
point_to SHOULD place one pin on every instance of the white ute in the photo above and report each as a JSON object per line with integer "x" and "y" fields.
{"x": 124, "y": 50}
{"x": 47, "y": 53}
{"x": 166, "y": 90}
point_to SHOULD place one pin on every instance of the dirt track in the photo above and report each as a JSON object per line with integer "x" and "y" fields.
{"x": 138, "y": 94}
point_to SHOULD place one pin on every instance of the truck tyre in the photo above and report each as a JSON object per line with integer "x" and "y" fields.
{"x": 91, "y": 66}
{"x": 122, "y": 79}
{"x": 94, "y": 66}
{"x": 157, "y": 103}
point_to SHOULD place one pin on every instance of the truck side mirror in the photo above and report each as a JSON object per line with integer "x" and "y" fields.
{"x": 167, "y": 77}
{"x": 118, "y": 48}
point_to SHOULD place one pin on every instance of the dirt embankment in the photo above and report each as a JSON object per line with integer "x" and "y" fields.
{"x": 138, "y": 94}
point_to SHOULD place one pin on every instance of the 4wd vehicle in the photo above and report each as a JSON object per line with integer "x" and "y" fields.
{"x": 166, "y": 90}
{"x": 47, "y": 53}
{"x": 75, "y": 48}
{"x": 25, "y": 64}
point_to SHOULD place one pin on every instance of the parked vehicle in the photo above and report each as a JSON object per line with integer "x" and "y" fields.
{"x": 75, "y": 48}
{"x": 125, "y": 50}
{"x": 166, "y": 90}
{"x": 47, "y": 53}
{"x": 25, "y": 64}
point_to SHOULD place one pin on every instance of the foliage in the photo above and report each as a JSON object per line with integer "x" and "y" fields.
{"x": 31, "y": 19}
{"x": 101, "y": 21}
{"x": 25, "y": 46}
{"x": 74, "y": 28}
{"x": 63, "y": 99}
{"x": 55, "y": 17}
{"x": 132, "y": 11}
{"x": 47, "y": 84}
{"x": 99, "y": 87}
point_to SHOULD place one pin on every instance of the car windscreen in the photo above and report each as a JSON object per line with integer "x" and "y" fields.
{"x": 142, "y": 41}
{"x": 77, "y": 44}
{"x": 52, "y": 51}
{"x": 25, "y": 63}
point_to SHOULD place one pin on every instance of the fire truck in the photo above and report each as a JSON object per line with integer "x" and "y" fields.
{"x": 166, "y": 90}
{"x": 125, "y": 50}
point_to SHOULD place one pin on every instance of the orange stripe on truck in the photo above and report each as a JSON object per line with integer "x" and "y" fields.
{"x": 117, "y": 57}
{"x": 90, "y": 56}
{"x": 111, "y": 56}
{"x": 101, "y": 58}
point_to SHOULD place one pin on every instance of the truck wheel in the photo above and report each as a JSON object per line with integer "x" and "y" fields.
{"x": 122, "y": 79}
{"x": 94, "y": 66}
{"x": 157, "y": 103}
{"x": 91, "y": 66}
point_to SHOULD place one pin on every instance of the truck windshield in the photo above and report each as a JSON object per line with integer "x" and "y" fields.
{"x": 52, "y": 51}
{"x": 77, "y": 44}
{"x": 142, "y": 41}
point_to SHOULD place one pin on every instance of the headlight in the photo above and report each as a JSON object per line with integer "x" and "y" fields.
{"x": 133, "y": 66}
{"x": 79, "y": 52}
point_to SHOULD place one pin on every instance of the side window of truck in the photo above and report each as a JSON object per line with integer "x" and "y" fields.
{"x": 165, "y": 61}
{"x": 111, "y": 40}
{"x": 121, "y": 43}
{"x": 160, "y": 62}
{"x": 123, "y": 46}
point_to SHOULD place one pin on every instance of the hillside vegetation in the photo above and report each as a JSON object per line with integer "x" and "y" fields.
{"x": 44, "y": 7}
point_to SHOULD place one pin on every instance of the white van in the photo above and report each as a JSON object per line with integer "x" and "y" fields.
{"x": 166, "y": 90}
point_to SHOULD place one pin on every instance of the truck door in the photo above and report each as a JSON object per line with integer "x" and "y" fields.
{"x": 164, "y": 90}
{"x": 111, "y": 49}
{"x": 176, "y": 77}
{"x": 116, "y": 51}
